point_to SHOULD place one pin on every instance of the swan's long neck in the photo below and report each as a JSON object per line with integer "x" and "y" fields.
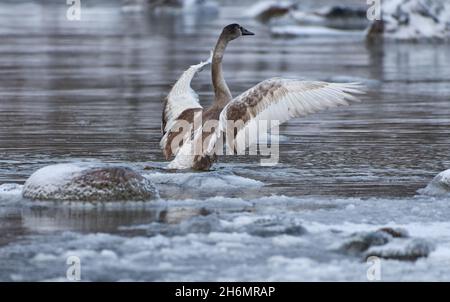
{"x": 221, "y": 91}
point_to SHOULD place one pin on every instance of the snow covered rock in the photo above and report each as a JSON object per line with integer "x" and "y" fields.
{"x": 412, "y": 20}
{"x": 387, "y": 243}
{"x": 337, "y": 17}
{"x": 264, "y": 11}
{"x": 207, "y": 181}
{"x": 88, "y": 182}
{"x": 311, "y": 31}
{"x": 405, "y": 250}
{"x": 169, "y": 6}
{"x": 362, "y": 241}
{"x": 439, "y": 186}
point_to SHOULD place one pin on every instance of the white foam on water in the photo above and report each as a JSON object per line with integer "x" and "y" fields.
{"x": 260, "y": 7}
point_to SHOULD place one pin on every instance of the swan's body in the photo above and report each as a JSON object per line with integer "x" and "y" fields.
{"x": 412, "y": 20}
{"x": 275, "y": 99}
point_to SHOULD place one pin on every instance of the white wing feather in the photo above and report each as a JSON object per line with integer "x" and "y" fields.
{"x": 280, "y": 100}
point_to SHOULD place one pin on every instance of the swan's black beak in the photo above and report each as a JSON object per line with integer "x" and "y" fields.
{"x": 246, "y": 32}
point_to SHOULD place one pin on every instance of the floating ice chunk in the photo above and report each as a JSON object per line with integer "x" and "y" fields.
{"x": 10, "y": 189}
{"x": 439, "y": 186}
{"x": 88, "y": 182}
{"x": 266, "y": 10}
{"x": 203, "y": 181}
{"x": 188, "y": 6}
{"x": 340, "y": 11}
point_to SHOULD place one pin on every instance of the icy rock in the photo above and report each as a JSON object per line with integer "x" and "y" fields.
{"x": 412, "y": 20}
{"x": 265, "y": 228}
{"x": 395, "y": 233}
{"x": 171, "y": 3}
{"x": 204, "y": 181}
{"x": 439, "y": 186}
{"x": 405, "y": 251}
{"x": 360, "y": 242}
{"x": 273, "y": 229}
{"x": 88, "y": 182}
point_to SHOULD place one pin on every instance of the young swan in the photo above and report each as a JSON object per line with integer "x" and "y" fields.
{"x": 194, "y": 135}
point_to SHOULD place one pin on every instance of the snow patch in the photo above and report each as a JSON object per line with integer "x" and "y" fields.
{"x": 312, "y": 31}
{"x": 203, "y": 181}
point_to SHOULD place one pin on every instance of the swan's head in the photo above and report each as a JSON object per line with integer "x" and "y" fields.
{"x": 234, "y": 31}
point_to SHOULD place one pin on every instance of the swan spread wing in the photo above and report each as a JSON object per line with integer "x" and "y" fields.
{"x": 181, "y": 98}
{"x": 278, "y": 100}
